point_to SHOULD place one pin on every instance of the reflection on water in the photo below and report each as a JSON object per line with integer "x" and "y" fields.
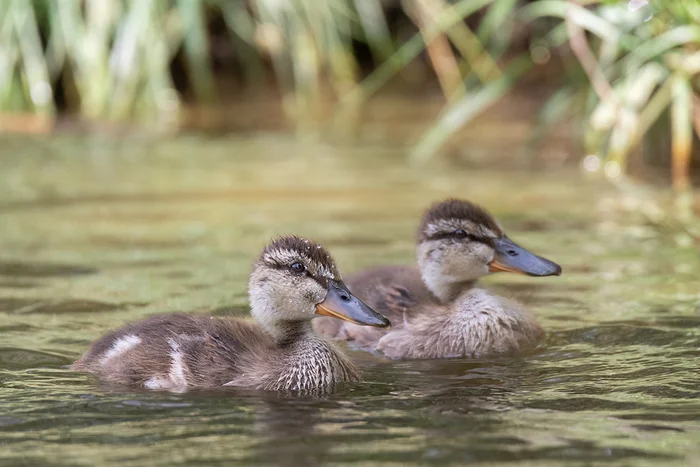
{"x": 97, "y": 232}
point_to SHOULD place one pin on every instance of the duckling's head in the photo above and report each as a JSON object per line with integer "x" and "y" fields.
{"x": 296, "y": 279}
{"x": 459, "y": 242}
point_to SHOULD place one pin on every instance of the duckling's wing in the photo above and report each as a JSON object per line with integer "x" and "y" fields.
{"x": 395, "y": 298}
{"x": 397, "y": 292}
{"x": 393, "y": 291}
{"x": 175, "y": 351}
{"x": 224, "y": 350}
{"x": 116, "y": 343}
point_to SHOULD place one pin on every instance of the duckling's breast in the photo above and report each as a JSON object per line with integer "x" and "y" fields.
{"x": 486, "y": 325}
{"x": 314, "y": 364}
{"x": 477, "y": 325}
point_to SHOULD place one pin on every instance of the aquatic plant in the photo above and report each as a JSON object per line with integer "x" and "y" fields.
{"x": 113, "y": 59}
{"x": 642, "y": 60}
{"x": 109, "y": 59}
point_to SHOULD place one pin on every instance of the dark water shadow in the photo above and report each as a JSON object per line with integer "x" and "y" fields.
{"x": 15, "y": 269}
{"x": 27, "y": 307}
{"x": 14, "y": 359}
{"x": 18, "y": 284}
{"x": 23, "y": 327}
{"x": 622, "y": 334}
{"x": 9, "y": 305}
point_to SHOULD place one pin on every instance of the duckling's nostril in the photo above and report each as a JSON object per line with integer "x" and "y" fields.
{"x": 512, "y": 253}
{"x": 345, "y": 297}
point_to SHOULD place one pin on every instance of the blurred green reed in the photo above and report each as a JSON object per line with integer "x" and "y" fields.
{"x": 111, "y": 60}
{"x": 113, "y": 55}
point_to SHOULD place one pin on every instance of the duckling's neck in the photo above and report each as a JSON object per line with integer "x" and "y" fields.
{"x": 444, "y": 290}
{"x": 307, "y": 361}
{"x": 287, "y": 333}
{"x": 282, "y": 331}
{"x": 441, "y": 275}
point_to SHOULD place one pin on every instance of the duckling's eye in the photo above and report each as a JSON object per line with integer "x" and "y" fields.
{"x": 297, "y": 267}
{"x": 460, "y": 233}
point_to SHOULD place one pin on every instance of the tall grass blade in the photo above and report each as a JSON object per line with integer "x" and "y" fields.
{"x": 9, "y": 55}
{"x": 552, "y": 111}
{"x": 581, "y": 16}
{"x": 196, "y": 47}
{"x": 410, "y": 50}
{"x": 681, "y": 132}
{"x": 375, "y": 29}
{"x": 654, "y": 108}
{"x": 35, "y": 72}
{"x": 461, "y": 112}
{"x": 496, "y": 27}
{"x": 242, "y": 24}
{"x": 657, "y": 46}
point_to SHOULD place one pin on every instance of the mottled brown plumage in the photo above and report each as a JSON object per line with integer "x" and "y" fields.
{"x": 292, "y": 281}
{"x": 435, "y": 310}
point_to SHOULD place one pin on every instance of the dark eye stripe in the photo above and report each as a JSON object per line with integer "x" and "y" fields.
{"x": 453, "y": 235}
{"x": 322, "y": 281}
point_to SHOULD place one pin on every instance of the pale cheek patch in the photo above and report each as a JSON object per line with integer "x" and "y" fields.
{"x": 121, "y": 346}
{"x": 484, "y": 253}
{"x": 462, "y": 262}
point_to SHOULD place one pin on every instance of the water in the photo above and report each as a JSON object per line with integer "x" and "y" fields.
{"x": 98, "y": 231}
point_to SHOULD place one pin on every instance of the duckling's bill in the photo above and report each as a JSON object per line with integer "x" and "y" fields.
{"x": 510, "y": 257}
{"x": 341, "y": 304}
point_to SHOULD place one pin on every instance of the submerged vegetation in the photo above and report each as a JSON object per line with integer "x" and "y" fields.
{"x": 117, "y": 59}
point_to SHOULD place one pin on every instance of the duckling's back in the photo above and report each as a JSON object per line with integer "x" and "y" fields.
{"x": 174, "y": 351}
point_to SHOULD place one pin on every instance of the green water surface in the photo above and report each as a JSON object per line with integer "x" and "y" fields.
{"x": 99, "y": 231}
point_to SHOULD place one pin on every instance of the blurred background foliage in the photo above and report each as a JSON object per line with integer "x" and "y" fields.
{"x": 628, "y": 71}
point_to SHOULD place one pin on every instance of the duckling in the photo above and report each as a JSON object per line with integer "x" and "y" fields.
{"x": 436, "y": 310}
{"x": 293, "y": 281}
